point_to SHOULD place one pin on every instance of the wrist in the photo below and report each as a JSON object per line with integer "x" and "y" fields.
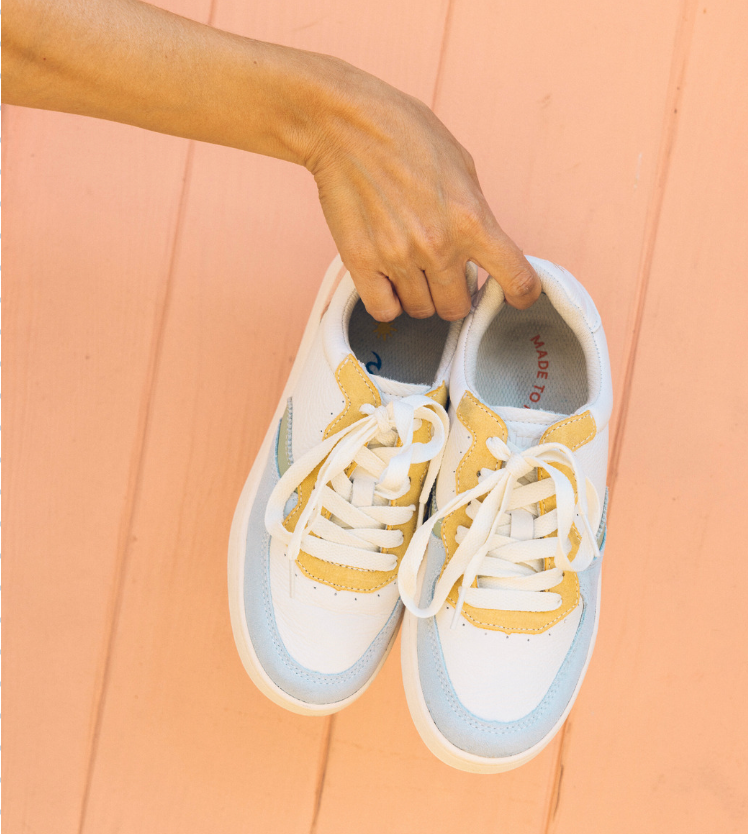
{"x": 312, "y": 99}
{"x": 325, "y": 107}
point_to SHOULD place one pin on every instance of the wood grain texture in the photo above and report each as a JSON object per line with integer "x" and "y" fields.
{"x": 81, "y": 305}
{"x": 90, "y": 216}
{"x": 156, "y": 293}
{"x": 659, "y": 738}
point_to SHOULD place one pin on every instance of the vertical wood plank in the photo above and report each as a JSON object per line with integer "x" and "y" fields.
{"x": 89, "y": 221}
{"x": 187, "y": 743}
{"x": 658, "y": 741}
{"x": 87, "y": 246}
{"x": 563, "y": 109}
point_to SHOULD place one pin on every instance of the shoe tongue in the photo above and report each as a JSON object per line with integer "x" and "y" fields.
{"x": 391, "y": 389}
{"x": 525, "y": 426}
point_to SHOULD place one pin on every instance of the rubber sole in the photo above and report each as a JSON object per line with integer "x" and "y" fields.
{"x": 238, "y": 534}
{"x": 432, "y": 736}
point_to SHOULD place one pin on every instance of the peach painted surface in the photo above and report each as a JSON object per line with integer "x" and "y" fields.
{"x": 155, "y": 294}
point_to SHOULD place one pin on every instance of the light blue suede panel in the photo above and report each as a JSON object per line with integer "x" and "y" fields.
{"x": 464, "y": 729}
{"x": 293, "y": 678}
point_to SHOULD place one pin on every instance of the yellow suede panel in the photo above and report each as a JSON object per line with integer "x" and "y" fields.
{"x": 358, "y": 389}
{"x": 572, "y": 432}
{"x": 482, "y": 423}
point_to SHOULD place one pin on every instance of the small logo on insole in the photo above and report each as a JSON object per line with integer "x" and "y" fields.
{"x": 384, "y": 329}
{"x": 374, "y": 364}
{"x": 542, "y": 372}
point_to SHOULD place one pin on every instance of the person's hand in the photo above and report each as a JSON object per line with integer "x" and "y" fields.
{"x": 399, "y": 192}
{"x": 402, "y": 200}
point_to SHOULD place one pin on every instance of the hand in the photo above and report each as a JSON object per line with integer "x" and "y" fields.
{"x": 399, "y": 192}
{"x": 402, "y": 200}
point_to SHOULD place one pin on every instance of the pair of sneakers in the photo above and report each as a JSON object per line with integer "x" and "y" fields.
{"x": 451, "y": 472}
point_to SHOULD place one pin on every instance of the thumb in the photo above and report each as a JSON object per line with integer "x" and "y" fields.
{"x": 503, "y": 259}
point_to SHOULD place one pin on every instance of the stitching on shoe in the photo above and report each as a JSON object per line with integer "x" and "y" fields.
{"x": 524, "y": 630}
{"x": 348, "y": 400}
{"x": 494, "y": 727}
{"x": 323, "y": 678}
{"x": 568, "y": 422}
{"x": 392, "y": 574}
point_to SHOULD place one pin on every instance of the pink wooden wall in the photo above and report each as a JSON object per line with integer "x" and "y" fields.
{"x": 155, "y": 294}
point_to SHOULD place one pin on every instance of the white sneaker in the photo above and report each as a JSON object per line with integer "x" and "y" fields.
{"x": 502, "y": 618}
{"x": 333, "y": 499}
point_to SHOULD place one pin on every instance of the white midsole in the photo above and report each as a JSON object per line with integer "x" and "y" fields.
{"x": 239, "y": 525}
{"x": 437, "y": 743}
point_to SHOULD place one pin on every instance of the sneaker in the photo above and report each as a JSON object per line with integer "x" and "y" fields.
{"x": 501, "y": 620}
{"x": 333, "y": 499}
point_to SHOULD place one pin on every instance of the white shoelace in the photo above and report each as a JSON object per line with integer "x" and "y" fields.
{"x": 504, "y": 547}
{"x": 359, "y": 505}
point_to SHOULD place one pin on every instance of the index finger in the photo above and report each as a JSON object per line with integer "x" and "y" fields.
{"x": 500, "y": 256}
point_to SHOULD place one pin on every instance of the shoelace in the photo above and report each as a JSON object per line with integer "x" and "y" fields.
{"x": 359, "y": 507}
{"x": 504, "y": 547}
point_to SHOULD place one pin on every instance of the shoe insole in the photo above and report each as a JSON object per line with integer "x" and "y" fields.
{"x": 531, "y": 358}
{"x": 406, "y": 349}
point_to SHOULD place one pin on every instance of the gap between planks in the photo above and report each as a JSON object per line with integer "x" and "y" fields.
{"x": 136, "y": 469}
{"x": 133, "y": 486}
{"x": 322, "y": 770}
{"x": 679, "y": 66}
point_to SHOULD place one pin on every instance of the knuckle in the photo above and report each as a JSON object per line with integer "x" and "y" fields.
{"x": 443, "y": 279}
{"x": 454, "y": 312}
{"x": 472, "y": 217}
{"x": 383, "y": 313}
{"x": 358, "y": 260}
{"x": 420, "y": 312}
{"x": 438, "y": 247}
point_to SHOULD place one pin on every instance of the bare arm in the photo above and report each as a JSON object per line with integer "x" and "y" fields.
{"x": 400, "y": 194}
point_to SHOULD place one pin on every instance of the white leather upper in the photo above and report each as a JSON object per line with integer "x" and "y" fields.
{"x": 458, "y": 443}
{"x": 502, "y": 677}
{"x": 323, "y": 629}
{"x": 316, "y": 400}
{"x": 593, "y": 458}
{"x": 497, "y": 676}
{"x": 334, "y": 325}
{"x": 576, "y": 307}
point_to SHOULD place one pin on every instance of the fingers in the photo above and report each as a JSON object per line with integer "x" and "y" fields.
{"x": 413, "y": 291}
{"x": 503, "y": 259}
{"x": 426, "y": 274}
{"x": 449, "y": 291}
{"x": 377, "y": 293}
{"x": 408, "y": 288}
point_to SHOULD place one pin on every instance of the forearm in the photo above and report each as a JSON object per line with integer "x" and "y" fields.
{"x": 130, "y": 62}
